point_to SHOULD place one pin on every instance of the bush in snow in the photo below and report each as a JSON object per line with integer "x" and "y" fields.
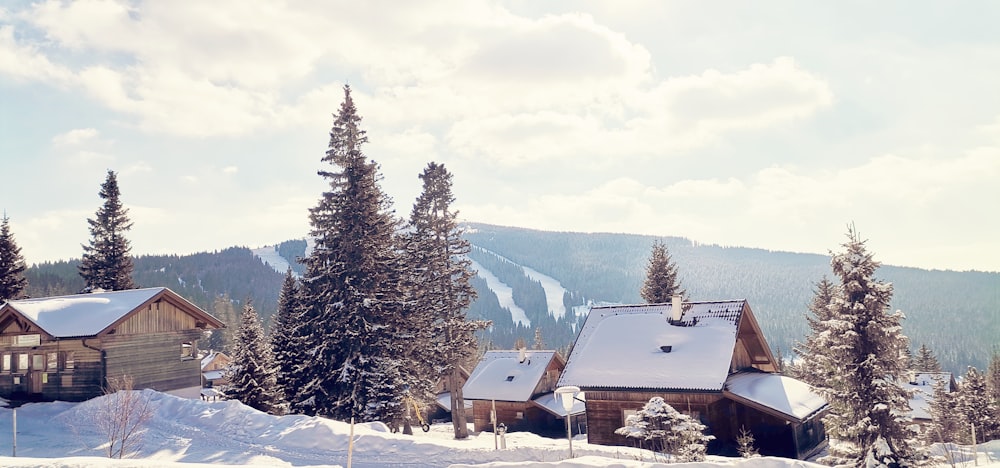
{"x": 665, "y": 430}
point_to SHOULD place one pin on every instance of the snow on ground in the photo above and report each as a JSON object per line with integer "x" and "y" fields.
{"x": 186, "y": 433}
{"x": 505, "y": 295}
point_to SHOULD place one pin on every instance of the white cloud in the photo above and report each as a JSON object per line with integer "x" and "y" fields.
{"x": 230, "y": 170}
{"x": 75, "y": 137}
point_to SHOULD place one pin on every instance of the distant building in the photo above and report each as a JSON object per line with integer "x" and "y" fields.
{"x": 708, "y": 360}
{"x": 519, "y": 386}
{"x": 213, "y": 369}
{"x": 921, "y": 385}
{"x": 67, "y": 347}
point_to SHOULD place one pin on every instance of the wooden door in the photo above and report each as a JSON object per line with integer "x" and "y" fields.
{"x": 35, "y": 376}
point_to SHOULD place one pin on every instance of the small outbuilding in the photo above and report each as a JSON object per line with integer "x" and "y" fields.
{"x": 708, "y": 360}
{"x": 67, "y": 347}
{"x": 518, "y": 386}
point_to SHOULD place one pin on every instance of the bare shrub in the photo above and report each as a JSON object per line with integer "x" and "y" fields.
{"x": 121, "y": 416}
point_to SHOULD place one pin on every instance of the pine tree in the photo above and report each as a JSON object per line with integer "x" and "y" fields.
{"x": 12, "y": 280}
{"x": 661, "y": 277}
{"x": 668, "y": 431}
{"x": 106, "y": 263}
{"x": 993, "y": 377}
{"x": 351, "y": 294}
{"x": 286, "y": 341}
{"x": 945, "y": 418}
{"x": 926, "y": 361}
{"x": 539, "y": 342}
{"x": 820, "y": 358}
{"x": 862, "y": 359}
{"x": 252, "y": 373}
{"x": 224, "y": 338}
{"x": 976, "y": 408}
{"x": 440, "y": 288}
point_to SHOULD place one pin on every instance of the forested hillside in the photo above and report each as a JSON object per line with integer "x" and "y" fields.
{"x": 956, "y": 314}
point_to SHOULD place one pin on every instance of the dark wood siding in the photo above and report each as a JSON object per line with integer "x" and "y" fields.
{"x": 78, "y": 383}
{"x": 532, "y": 418}
{"x": 156, "y": 317}
{"x": 154, "y": 360}
{"x": 606, "y": 410}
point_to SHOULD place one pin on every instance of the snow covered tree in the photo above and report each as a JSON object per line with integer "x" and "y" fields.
{"x": 925, "y": 361}
{"x": 286, "y": 342}
{"x": 745, "y": 444}
{"x": 856, "y": 362}
{"x": 351, "y": 295}
{"x": 993, "y": 377}
{"x": 252, "y": 372}
{"x": 819, "y": 358}
{"x": 976, "y": 408}
{"x": 440, "y": 290}
{"x": 666, "y": 430}
{"x": 661, "y": 277}
{"x": 12, "y": 280}
{"x": 106, "y": 262}
{"x": 945, "y": 419}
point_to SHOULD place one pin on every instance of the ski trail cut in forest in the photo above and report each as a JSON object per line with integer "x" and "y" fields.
{"x": 554, "y": 292}
{"x": 269, "y": 255}
{"x": 505, "y": 295}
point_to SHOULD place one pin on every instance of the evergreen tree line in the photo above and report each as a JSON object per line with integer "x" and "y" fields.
{"x": 379, "y": 314}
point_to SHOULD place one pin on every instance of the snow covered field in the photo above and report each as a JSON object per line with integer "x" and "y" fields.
{"x": 186, "y": 433}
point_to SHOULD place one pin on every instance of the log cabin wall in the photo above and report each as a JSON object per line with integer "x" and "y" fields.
{"x": 161, "y": 361}
{"x": 517, "y": 416}
{"x": 53, "y": 370}
{"x": 606, "y": 410}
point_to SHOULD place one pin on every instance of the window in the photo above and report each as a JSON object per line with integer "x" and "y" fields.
{"x": 70, "y": 361}
{"x": 187, "y": 351}
{"x": 519, "y": 415}
{"x": 52, "y": 362}
{"x": 6, "y": 362}
{"x": 37, "y": 362}
{"x": 22, "y": 362}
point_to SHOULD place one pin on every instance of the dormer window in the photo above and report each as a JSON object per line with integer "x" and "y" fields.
{"x": 510, "y": 378}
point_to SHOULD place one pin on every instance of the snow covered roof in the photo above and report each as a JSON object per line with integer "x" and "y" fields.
{"x": 550, "y": 403}
{"x": 88, "y": 314}
{"x": 444, "y": 401}
{"x": 619, "y": 347}
{"x": 922, "y": 386}
{"x": 500, "y": 375}
{"x": 783, "y": 394}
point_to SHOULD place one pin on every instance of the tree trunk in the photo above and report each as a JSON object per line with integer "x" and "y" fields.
{"x": 457, "y": 405}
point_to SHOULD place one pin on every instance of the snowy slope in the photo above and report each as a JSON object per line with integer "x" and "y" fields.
{"x": 187, "y": 433}
{"x": 504, "y": 293}
{"x": 269, "y": 255}
{"x": 554, "y": 292}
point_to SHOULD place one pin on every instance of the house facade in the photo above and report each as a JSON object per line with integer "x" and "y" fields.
{"x": 518, "y": 386}
{"x": 67, "y": 347}
{"x": 706, "y": 359}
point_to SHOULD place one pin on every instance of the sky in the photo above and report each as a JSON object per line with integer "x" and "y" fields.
{"x": 773, "y": 125}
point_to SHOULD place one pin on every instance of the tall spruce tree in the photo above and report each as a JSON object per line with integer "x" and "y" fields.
{"x": 820, "y": 358}
{"x": 286, "y": 339}
{"x": 976, "y": 408}
{"x": 351, "y": 293}
{"x": 993, "y": 377}
{"x": 107, "y": 263}
{"x": 12, "y": 280}
{"x": 440, "y": 288}
{"x": 925, "y": 361}
{"x": 252, "y": 372}
{"x": 661, "y": 277}
{"x": 864, "y": 363}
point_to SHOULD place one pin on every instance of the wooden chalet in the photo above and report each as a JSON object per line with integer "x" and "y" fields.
{"x": 706, "y": 359}
{"x": 67, "y": 347}
{"x": 519, "y": 386}
{"x": 921, "y": 387}
{"x": 213, "y": 369}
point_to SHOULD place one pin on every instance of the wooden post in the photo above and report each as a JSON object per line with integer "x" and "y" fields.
{"x": 975, "y": 456}
{"x": 350, "y": 444}
{"x": 493, "y": 418}
{"x": 14, "y": 416}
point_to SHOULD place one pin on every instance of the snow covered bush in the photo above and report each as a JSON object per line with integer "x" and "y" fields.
{"x": 666, "y": 430}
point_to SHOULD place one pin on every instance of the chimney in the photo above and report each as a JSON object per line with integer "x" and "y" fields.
{"x": 522, "y": 354}
{"x": 676, "y": 306}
